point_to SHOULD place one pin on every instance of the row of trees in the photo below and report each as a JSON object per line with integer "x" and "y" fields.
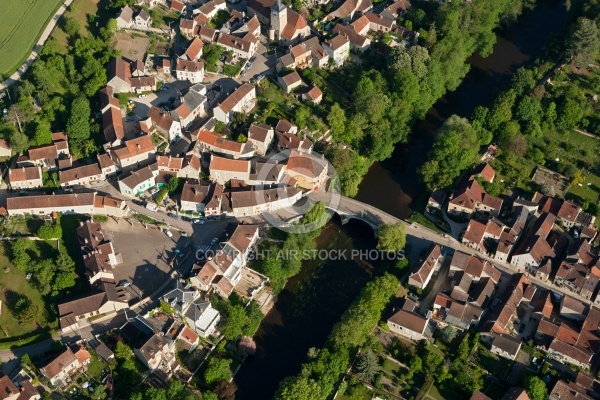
{"x": 319, "y": 376}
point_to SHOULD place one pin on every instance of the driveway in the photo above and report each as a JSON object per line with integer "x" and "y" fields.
{"x": 262, "y": 64}
{"x": 142, "y": 106}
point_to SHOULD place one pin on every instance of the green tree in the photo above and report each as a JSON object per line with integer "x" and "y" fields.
{"x": 448, "y": 333}
{"x": 535, "y": 388}
{"x": 302, "y": 116}
{"x": 173, "y": 184}
{"x": 236, "y": 320}
{"x": 455, "y": 149}
{"x": 298, "y": 388}
{"x": 584, "y": 42}
{"x": 78, "y": 125}
{"x": 501, "y": 111}
{"x": 217, "y": 370}
{"x": 29, "y": 313}
{"x": 19, "y": 142}
{"x": 43, "y": 133}
{"x": 70, "y": 26}
{"x": 49, "y": 231}
{"x": 337, "y": 121}
{"x": 368, "y": 366}
{"x": 392, "y": 237}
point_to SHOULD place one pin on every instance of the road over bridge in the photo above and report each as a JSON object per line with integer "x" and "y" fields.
{"x": 349, "y": 208}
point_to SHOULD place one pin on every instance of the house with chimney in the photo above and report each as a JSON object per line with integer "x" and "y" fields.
{"x": 338, "y": 49}
{"x": 511, "y": 233}
{"x": 191, "y": 106}
{"x": 224, "y": 271}
{"x": 290, "y": 141}
{"x": 241, "y": 47}
{"x": 348, "y": 10}
{"x": 190, "y": 168}
{"x": 358, "y": 42}
{"x": 164, "y": 122}
{"x": 241, "y": 100}
{"x": 47, "y": 156}
{"x": 483, "y": 236}
{"x": 81, "y": 176}
{"x": 112, "y": 120}
{"x": 580, "y": 271}
{"x": 506, "y": 346}
{"x": 223, "y": 170}
{"x": 194, "y": 310}
{"x": 99, "y": 256}
{"x": 20, "y": 389}
{"x": 138, "y": 181}
{"x": 215, "y": 143}
{"x": 309, "y": 171}
{"x": 125, "y": 77}
{"x": 255, "y": 201}
{"x": 135, "y": 152}
{"x": 407, "y": 323}
{"x": 196, "y": 195}
{"x": 504, "y": 318}
{"x": 61, "y": 368}
{"x": 539, "y": 245}
{"x": 25, "y": 177}
{"x": 305, "y": 54}
{"x": 189, "y": 70}
{"x": 471, "y": 197}
{"x": 568, "y": 341}
{"x": 260, "y": 137}
{"x": 431, "y": 262}
{"x": 284, "y": 24}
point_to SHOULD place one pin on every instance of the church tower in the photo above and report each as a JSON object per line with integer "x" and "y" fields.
{"x": 278, "y": 20}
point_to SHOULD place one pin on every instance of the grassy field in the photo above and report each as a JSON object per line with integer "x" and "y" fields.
{"x": 21, "y": 23}
{"x": 14, "y": 285}
{"x": 79, "y": 10}
{"x": 585, "y": 191}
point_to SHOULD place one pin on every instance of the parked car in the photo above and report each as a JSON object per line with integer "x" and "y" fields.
{"x": 244, "y": 72}
{"x": 168, "y": 233}
{"x": 174, "y": 216}
{"x": 151, "y": 206}
{"x": 214, "y": 241}
{"x": 130, "y": 118}
{"x": 154, "y": 190}
{"x": 199, "y": 221}
{"x": 139, "y": 202}
{"x": 248, "y": 65}
{"x": 142, "y": 96}
{"x": 179, "y": 253}
{"x": 124, "y": 283}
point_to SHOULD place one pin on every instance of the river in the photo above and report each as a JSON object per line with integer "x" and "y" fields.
{"x": 314, "y": 300}
{"x": 393, "y": 185}
{"x": 306, "y": 310}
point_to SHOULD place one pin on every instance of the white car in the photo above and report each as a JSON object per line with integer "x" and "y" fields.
{"x": 199, "y": 221}
{"x": 154, "y": 190}
{"x": 168, "y": 233}
{"x": 142, "y": 96}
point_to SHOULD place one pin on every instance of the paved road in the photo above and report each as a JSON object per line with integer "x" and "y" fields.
{"x": 38, "y": 46}
{"x": 374, "y": 217}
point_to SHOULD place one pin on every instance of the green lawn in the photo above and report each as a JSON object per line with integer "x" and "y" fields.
{"x": 14, "y": 286}
{"x": 585, "y": 191}
{"x": 446, "y": 394}
{"x": 21, "y": 23}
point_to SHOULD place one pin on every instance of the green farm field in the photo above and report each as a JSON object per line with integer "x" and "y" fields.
{"x": 21, "y": 24}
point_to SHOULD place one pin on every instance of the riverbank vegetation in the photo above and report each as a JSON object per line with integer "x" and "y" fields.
{"x": 541, "y": 119}
{"x": 321, "y": 373}
{"x": 371, "y": 108}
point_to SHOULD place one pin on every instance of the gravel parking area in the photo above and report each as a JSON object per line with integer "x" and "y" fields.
{"x": 146, "y": 253}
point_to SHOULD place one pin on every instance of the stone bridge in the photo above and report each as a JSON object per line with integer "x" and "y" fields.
{"x": 348, "y": 209}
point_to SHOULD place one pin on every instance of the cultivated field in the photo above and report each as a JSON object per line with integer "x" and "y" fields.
{"x": 21, "y": 23}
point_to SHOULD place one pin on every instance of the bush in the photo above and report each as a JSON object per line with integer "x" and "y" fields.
{"x": 49, "y": 231}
